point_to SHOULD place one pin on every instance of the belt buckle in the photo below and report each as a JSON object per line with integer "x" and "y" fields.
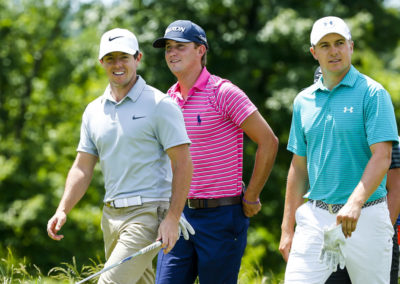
{"x": 190, "y": 204}
{"x": 110, "y": 204}
{"x": 330, "y": 209}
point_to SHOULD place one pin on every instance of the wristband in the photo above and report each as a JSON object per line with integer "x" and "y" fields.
{"x": 251, "y": 202}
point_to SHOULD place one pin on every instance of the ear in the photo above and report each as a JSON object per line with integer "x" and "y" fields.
{"x": 312, "y": 50}
{"x": 351, "y": 46}
{"x": 139, "y": 57}
{"x": 102, "y": 62}
{"x": 202, "y": 49}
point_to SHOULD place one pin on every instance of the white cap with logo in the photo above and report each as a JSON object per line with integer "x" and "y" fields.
{"x": 120, "y": 40}
{"x": 329, "y": 25}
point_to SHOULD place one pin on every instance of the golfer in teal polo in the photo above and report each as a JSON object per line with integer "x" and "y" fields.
{"x": 341, "y": 137}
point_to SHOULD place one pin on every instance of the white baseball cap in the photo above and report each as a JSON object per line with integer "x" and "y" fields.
{"x": 329, "y": 25}
{"x": 118, "y": 40}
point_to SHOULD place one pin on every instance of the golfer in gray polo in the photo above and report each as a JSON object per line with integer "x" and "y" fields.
{"x": 138, "y": 135}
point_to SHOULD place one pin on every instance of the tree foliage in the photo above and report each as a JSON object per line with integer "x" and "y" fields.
{"x": 49, "y": 72}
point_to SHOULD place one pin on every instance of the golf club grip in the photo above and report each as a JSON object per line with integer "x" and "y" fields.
{"x": 142, "y": 251}
{"x": 150, "y": 247}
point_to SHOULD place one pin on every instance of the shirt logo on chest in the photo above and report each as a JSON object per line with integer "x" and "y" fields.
{"x": 134, "y": 117}
{"x": 198, "y": 119}
{"x": 348, "y": 109}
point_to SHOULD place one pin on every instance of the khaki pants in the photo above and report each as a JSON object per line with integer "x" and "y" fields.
{"x": 126, "y": 231}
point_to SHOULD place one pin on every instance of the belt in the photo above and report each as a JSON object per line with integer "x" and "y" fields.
{"x": 132, "y": 201}
{"x": 334, "y": 208}
{"x": 213, "y": 203}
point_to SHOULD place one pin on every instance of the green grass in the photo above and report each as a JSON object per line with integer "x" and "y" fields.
{"x": 14, "y": 270}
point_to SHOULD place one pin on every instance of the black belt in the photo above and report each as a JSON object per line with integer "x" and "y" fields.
{"x": 334, "y": 208}
{"x": 213, "y": 203}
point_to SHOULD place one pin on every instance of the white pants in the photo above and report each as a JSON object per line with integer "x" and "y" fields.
{"x": 368, "y": 251}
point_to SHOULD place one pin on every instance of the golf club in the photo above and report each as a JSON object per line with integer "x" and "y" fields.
{"x": 140, "y": 252}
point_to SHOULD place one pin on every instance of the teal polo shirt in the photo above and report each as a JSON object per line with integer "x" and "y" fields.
{"x": 335, "y": 129}
{"x": 130, "y": 138}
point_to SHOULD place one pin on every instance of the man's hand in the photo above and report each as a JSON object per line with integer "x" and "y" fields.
{"x": 251, "y": 204}
{"x": 348, "y": 218}
{"x": 185, "y": 228}
{"x": 285, "y": 244}
{"x": 168, "y": 232}
{"x": 331, "y": 251}
{"x": 54, "y": 225}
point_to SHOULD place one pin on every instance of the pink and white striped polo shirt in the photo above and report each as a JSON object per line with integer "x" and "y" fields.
{"x": 213, "y": 113}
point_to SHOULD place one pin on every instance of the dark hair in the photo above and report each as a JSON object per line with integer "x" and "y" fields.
{"x": 136, "y": 54}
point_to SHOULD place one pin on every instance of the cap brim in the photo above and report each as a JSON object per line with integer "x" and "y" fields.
{"x": 116, "y": 48}
{"x": 317, "y": 38}
{"x": 160, "y": 43}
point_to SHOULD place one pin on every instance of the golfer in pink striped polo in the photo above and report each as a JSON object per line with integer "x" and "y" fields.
{"x": 216, "y": 113}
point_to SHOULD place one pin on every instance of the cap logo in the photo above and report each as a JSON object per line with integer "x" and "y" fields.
{"x": 112, "y": 38}
{"x": 175, "y": 29}
{"x": 330, "y": 23}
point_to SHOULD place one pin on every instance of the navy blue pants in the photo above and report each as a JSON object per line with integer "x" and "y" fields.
{"x": 214, "y": 253}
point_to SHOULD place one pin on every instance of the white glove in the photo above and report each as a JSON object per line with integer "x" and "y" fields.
{"x": 185, "y": 228}
{"x": 332, "y": 248}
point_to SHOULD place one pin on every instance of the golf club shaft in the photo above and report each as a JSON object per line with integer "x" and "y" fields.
{"x": 142, "y": 251}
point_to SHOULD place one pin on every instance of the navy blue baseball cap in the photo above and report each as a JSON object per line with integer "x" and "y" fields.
{"x": 182, "y": 31}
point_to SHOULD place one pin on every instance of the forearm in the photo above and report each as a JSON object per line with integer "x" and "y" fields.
{"x": 75, "y": 187}
{"x": 182, "y": 177}
{"x": 394, "y": 205}
{"x": 373, "y": 175}
{"x": 393, "y": 196}
{"x": 295, "y": 189}
{"x": 264, "y": 161}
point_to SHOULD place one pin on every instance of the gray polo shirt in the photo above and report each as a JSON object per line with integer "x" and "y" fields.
{"x": 130, "y": 138}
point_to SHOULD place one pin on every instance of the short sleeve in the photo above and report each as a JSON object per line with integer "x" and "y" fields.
{"x": 297, "y": 142}
{"x": 380, "y": 122}
{"x": 234, "y": 103}
{"x": 86, "y": 143}
{"x": 170, "y": 126}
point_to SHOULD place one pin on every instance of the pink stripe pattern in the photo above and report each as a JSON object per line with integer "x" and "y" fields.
{"x": 213, "y": 112}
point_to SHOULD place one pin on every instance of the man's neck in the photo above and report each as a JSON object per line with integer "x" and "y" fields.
{"x": 331, "y": 80}
{"x": 120, "y": 92}
{"x": 187, "y": 81}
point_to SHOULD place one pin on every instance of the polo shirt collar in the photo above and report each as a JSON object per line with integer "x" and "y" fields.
{"x": 133, "y": 94}
{"x": 137, "y": 89}
{"x": 200, "y": 84}
{"x": 348, "y": 80}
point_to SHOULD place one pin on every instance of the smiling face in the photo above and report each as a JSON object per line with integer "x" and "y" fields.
{"x": 333, "y": 53}
{"x": 183, "y": 57}
{"x": 121, "y": 68}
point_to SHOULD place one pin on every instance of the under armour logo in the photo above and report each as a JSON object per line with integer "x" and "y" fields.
{"x": 348, "y": 109}
{"x": 330, "y": 23}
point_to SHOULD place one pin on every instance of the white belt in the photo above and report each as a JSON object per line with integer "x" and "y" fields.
{"x": 133, "y": 201}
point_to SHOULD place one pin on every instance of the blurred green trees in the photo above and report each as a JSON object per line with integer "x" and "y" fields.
{"x": 49, "y": 72}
